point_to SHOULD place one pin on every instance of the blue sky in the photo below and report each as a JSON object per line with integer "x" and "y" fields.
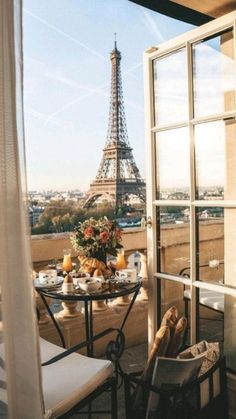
{"x": 67, "y": 74}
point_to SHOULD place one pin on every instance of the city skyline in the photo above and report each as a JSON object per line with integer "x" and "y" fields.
{"x": 67, "y": 84}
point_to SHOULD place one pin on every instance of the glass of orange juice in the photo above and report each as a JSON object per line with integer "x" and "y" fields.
{"x": 120, "y": 261}
{"x": 67, "y": 262}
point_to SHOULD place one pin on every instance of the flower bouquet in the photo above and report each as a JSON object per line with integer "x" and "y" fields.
{"x": 93, "y": 240}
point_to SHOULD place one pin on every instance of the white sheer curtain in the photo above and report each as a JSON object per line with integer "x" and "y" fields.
{"x": 20, "y": 338}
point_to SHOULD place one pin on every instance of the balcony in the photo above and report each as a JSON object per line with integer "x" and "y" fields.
{"x": 44, "y": 248}
{"x": 174, "y": 258}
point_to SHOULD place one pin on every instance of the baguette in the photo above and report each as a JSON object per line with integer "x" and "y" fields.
{"x": 159, "y": 348}
{"x": 177, "y": 338}
{"x": 170, "y": 319}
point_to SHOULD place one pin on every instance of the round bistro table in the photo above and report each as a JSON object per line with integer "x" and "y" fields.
{"x": 110, "y": 291}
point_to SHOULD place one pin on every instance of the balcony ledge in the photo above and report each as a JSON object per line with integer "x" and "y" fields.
{"x": 45, "y": 247}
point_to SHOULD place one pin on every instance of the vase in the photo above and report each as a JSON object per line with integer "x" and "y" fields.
{"x": 101, "y": 256}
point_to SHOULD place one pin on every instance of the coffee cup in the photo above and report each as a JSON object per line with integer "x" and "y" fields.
{"x": 48, "y": 276}
{"x": 126, "y": 275}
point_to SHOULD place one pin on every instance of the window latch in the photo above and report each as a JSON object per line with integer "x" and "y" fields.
{"x": 149, "y": 222}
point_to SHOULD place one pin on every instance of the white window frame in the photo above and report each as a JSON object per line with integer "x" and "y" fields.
{"x": 186, "y": 40}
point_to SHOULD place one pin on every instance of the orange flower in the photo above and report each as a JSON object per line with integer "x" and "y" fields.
{"x": 88, "y": 232}
{"x": 104, "y": 236}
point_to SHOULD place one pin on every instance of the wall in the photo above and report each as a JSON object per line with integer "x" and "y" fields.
{"x": 46, "y": 247}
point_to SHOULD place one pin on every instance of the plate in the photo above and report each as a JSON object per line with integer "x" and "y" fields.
{"x": 38, "y": 284}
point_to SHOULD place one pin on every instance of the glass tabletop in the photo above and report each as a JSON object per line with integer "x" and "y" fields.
{"x": 109, "y": 290}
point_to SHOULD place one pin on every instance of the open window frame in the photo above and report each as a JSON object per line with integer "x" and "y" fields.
{"x": 157, "y": 125}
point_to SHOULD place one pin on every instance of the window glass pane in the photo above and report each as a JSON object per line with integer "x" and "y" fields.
{"x": 217, "y": 316}
{"x": 230, "y": 331}
{"x": 172, "y": 294}
{"x": 210, "y": 160}
{"x": 230, "y": 246}
{"x": 214, "y": 79}
{"x": 171, "y": 88}
{"x": 174, "y": 237}
{"x": 215, "y": 153}
{"x": 210, "y": 244}
{"x": 172, "y": 162}
{"x": 211, "y": 316}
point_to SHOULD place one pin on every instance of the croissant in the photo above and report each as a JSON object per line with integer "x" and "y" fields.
{"x": 91, "y": 263}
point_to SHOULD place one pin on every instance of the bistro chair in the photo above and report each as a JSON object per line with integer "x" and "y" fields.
{"x": 70, "y": 381}
{"x": 204, "y": 397}
{"x": 178, "y": 382}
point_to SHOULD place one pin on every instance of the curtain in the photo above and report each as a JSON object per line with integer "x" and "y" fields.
{"x": 21, "y": 366}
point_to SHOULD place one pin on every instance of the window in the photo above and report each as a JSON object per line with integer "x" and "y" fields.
{"x": 191, "y": 131}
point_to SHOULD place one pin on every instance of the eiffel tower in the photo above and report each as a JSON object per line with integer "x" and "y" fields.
{"x": 118, "y": 177}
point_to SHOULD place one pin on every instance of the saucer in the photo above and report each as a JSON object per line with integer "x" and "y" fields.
{"x": 37, "y": 284}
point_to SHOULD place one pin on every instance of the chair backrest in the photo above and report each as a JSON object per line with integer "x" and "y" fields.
{"x": 170, "y": 374}
{"x": 203, "y": 397}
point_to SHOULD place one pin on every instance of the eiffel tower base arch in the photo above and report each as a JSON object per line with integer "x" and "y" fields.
{"x": 118, "y": 194}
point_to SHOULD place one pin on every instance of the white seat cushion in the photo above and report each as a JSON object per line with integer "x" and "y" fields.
{"x": 70, "y": 380}
{"x": 65, "y": 382}
{"x": 211, "y": 299}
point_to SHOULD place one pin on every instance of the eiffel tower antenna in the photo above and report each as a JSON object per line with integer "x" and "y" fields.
{"x": 118, "y": 177}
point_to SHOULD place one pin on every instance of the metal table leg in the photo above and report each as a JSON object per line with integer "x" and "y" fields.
{"x": 91, "y": 325}
{"x": 87, "y": 327}
{"x": 116, "y": 348}
{"x": 129, "y": 309}
{"x": 54, "y": 320}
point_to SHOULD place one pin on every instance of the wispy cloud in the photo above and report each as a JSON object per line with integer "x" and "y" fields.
{"x": 74, "y": 83}
{"x": 31, "y": 112}
{"x": 91, "y": 91}
{"x": 129, "y": 72}
{"x": 64, "y": 80}
{"x": 151, "y": 25}
{"x": 65, "y": 35}
{"x": 101, "y": 90}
